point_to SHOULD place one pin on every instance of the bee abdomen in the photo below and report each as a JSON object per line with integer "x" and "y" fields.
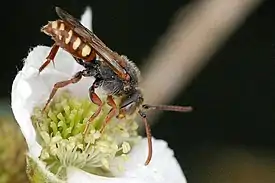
{"x": 55, "y": 29}
{"x": 69, "y": 40}
{"x": 82, "y": 49}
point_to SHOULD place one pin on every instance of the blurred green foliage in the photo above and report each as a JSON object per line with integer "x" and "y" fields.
{"x": 12, "y": 148}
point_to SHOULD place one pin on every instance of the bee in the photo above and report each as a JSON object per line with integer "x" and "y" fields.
{"x": 115, "y": 74}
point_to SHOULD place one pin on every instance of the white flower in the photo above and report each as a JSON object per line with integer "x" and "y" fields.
{"x": 31, "y": 89}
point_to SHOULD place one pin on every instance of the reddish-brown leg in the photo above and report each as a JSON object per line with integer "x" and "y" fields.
{"x": 96, "y": 100}
{"x": 111, "y": 113}
{"x": 50, "y": 57}
{"x": 62, "y": 84}
{"x": 149, "y": 137}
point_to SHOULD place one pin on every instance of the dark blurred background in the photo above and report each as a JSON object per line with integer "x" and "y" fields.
{"x": 230, "y": 137}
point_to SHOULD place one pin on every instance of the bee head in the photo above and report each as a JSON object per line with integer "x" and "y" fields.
{"x": 130, "y": 103}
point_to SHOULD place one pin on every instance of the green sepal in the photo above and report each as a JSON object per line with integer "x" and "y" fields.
{"x": 37, "y": 172}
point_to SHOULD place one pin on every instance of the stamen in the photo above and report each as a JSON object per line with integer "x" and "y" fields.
{"x": 60, "y": 128}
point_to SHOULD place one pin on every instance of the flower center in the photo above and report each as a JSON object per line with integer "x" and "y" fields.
{"x": 60, "y": 131}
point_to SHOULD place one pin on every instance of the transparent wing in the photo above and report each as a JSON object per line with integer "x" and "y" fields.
{"x": 114, "y": 60}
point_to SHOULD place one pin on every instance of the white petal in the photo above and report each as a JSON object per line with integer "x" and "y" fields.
{"x": 79, "y": 176}
{"x": 22, "y": 115}
{"x": 162, "y": 169}
{"x": 163, "y": 166}
{"x": 63, "y": 62}
{"x": 86, "y": 18}
{"x": 31, "y": 89}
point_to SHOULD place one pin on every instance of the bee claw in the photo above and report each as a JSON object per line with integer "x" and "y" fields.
{"x": 53, "y": 63}
{"x": 44, "y": 109}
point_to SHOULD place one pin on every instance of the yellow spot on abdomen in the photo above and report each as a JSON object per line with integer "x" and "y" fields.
{"x": 68, "y": 39}
{"x": 86, "y": 50}
{"x": 76, "y": 43}
{"x": 54, "y": 24}
{"x": 62, "y": 26}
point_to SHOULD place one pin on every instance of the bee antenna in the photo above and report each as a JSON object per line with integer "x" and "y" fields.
{"x": 168, "y": 108}
{"x": 149, "y": 136}
{"x": 146, "y": 124}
